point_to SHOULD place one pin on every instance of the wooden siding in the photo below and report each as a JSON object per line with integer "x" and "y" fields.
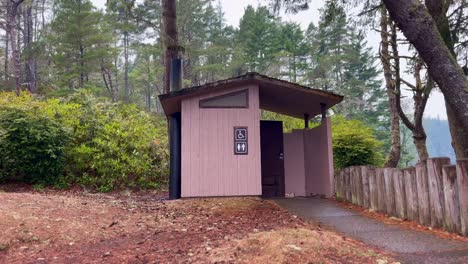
{"x": 209, "y": 166}
{"x": 309, "y": 161}
{"x": 294, "y": 168}
{"x": 319, "y": 160}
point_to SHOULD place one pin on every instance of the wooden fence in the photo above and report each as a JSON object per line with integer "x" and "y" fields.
{"x": 433, "y": 193}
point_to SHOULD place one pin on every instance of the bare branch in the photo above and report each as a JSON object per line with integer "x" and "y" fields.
{"x": 409, "y": 84}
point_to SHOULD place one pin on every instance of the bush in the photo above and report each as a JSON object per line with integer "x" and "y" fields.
{"x": 32, "y": 147}
{"x": 354, "y": 144}
{"x": 110, "y": 145}
{"x": 117, "y": 146}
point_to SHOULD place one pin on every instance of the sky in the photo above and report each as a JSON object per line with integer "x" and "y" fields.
{"x": 234, "y": 9}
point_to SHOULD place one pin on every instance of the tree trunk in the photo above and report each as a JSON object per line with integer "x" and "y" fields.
{"x": 7, "y": 56}
{"x": 126, "y": 88}
{"x": 82, "y": 65}
{"x": 29, "y": 62}
{"x": 420, "y": 29}
{"x": 12, "y": 26}
{"x": 171, "y": 41}
{"x": 395, "y": 150}
{"x": 107, "y": 78}
{"x": 438, "y": 10}
{"x": 419, "y": 140}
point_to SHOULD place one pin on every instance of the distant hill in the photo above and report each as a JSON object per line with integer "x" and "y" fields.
{"x": 438, "y": 138}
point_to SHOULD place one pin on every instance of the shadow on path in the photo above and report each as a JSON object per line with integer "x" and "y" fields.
{"x": 407, "y": 245}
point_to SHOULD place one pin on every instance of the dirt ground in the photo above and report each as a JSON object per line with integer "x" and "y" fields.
{"x": 143, "y": 227}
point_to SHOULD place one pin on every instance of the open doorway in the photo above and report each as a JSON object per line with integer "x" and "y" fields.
{"x": 272, "y": 158}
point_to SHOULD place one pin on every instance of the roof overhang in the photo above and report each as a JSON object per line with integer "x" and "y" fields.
{"x": 275, "y": 95}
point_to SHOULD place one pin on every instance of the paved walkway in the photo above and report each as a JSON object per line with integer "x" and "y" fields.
{"x": 408, "y": 246}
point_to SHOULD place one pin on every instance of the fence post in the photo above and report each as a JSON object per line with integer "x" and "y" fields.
{"x": 373, "y": 193}
{"x": 353, "y": 185}
{"x": 452, "y": 205}
{"x": 381, "y": 190}
{"x": 338, "y": 184}
{"x": 342, "y": 184}
{"x": 359, "y": 186}
{"x": 389, "y": 191}
{"x": 423, "y": 194}
{"x": 348, "y": 184}
{"x": 436, "y": 189}
{"x": 365, "y": 173}
{"x": 462, "y": 182}
{"x": 400, "y": 196}
{"x": 411, "y": 191}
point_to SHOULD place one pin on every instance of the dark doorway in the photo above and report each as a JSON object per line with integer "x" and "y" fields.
{"x": 271, "y": 143}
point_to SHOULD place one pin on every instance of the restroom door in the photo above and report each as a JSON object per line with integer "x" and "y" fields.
{"x": 272, "y": 158}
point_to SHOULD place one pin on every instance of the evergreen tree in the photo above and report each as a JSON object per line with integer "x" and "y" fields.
{"x": 294, "y": 49}
{"x": 205, "y": 38}
{"x": 258, "y": 36}
{"x": 123, "y": 23}
{"x": 218, "y": 46}
{"x": 329, "y": 44}
{"x": 342, "y": 62}
{"x": 81, "y": 39}
{"x": 147, "y": 73}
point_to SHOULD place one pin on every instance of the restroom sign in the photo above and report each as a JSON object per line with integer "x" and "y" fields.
{"x": 241, "y": 146}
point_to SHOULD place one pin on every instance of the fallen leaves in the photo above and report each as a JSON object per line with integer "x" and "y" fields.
{"x": 144, "y": 227}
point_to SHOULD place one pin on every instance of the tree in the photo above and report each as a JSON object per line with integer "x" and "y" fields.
{"x": 206, "y": 40}
{"x": 216, "y": 50}
{"x": 30, "y": 65}
{"x": 122, "y": 21}
{"x": 340, "y": 60}
{"x": 451, "y": 32}
{"x": 257, "y": 35}
{"x": 392, "y": 82}
{"x": 81, "y": 40}
{"x": 330, "y": 42}
{"x": 170, "y": 38}
{"x": 421, "y": 30}
{"x": 4, "y": 13}
{"x": 147, "y": 73}
{"x": 295, "y": 50}
{"x": 392, "y": 61}
{"x": 12, "y": 32}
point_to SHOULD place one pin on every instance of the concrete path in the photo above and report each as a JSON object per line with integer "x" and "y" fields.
{"x": 407, "y": 245}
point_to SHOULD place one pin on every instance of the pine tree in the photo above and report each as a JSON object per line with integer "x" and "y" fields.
{"x": 342, "y": 62}
{"x": 294, "y": 49}
{"x": 258, "y": 36}
{"x": 147, "y": 72}
{"x": 123, "y": 22}
{"x": 329, "y": 43}
{"x": 81, "y": 39}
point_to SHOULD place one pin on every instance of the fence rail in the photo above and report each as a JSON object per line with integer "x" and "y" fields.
{"x": 433, "y": 193}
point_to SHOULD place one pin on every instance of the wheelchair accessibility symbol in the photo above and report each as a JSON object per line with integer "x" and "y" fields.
{"x": 240, "y": 141}
{"x": 241, "y": 134}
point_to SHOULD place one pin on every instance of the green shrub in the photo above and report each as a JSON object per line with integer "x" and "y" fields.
{"x": 354, "y": 144}
{"x": 117, "y": 146}
{"x": 110, "y": 145}
{"x": 32, "y": 147}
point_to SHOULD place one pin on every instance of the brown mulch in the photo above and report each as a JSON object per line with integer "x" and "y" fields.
{"x": 143, "y": 227}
